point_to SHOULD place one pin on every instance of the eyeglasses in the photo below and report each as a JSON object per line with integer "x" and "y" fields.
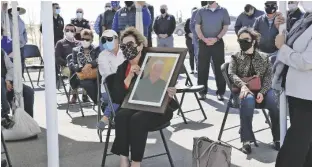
{"x": 84, "y": 39}
{"x": 79, "y": 12}
{"x": 123, "y": 46}
{"x": 104, "y": 39}
{"x": 67, "y": 30}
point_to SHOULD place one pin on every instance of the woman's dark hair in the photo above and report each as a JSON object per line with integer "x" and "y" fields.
{"x": 255, "y": 36}
{"x": 132, "y": 31}
{"x": 86, "y": 32}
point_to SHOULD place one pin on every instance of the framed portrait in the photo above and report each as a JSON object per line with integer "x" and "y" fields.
{"x": 159, "y": 70}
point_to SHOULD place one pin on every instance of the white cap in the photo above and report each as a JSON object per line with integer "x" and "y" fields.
{"x": 109, "y": 33}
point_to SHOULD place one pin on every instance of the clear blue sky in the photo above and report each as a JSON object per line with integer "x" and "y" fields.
{"x": 93, "y": 8}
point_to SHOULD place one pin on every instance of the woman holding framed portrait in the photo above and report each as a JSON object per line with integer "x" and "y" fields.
{"x": 132, "y": 126}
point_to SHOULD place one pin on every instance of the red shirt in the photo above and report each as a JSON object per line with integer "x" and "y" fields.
{"x": 127, "y": 73}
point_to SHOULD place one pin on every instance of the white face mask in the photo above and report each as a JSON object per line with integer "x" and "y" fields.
{"x": 307, "y": 6}
{"x": 85, "y": 44}
{"x": 292, "y": 7}
{"x": 79, "y": 15}
{"x": 69, "y": 35}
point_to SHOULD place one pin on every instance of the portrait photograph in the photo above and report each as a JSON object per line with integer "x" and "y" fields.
{"x": 152, "y": 83}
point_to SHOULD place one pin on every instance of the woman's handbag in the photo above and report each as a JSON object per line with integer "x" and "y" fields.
{"x": 208, "y": 153}
{"x": 91, "y": 75}
{"x": 253, "y": 84}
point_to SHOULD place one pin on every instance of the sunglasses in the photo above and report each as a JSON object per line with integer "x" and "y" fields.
{"x": 244, "y": 40}
{"x": 104, "y": 39}
{"x": 67, "y": 30}
{"x": 123, "y": 46}
{"x": 84, "y": 39}
{"x": 57, "y": 8}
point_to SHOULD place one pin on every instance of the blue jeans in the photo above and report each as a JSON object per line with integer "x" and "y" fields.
{"x": 108, "y": 111}
{"x": 195, "y": 43}
{"x": 248, "y": 105}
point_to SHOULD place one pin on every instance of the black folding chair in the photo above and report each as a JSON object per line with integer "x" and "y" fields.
{"x": 32, "y": 51}
{"x": 5, "y": 151}
{"x": 108, "y": 84}
{"x": 189, "y": 88}
{"x": 232, "y": 103}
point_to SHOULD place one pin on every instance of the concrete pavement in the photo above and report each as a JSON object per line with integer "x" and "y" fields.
{"x": 80, "y": 147}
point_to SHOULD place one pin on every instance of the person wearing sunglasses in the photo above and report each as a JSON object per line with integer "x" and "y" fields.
{"x": 80, "y": 23}
{"x": 109, "y": 60}
{"x": 267, "y": 27}
{"x": 84, "y": 61}
{"x": 247, "y": 63}
{"x": 131, "y": 125}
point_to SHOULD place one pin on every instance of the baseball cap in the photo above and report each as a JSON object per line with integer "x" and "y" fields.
{"x": 109, "y": 33}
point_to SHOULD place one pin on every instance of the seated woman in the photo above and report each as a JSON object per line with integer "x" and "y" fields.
{"x": 7, "y": 91}
{"x": 132, "y": 126}
{"x": 247, "y": 63}
{"x": 83, "y": 61}
{"x": 109, "y": 60}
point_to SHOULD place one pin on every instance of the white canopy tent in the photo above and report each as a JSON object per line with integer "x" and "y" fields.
{"x": 50, "y": 87}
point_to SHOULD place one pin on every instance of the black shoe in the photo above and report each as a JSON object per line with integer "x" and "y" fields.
{"x": 220, "y": 97}
{"x": 7, "y": 123}
{"x": 202, "y": 96}
{"x": 277, "y": 145}
{"x": 246, "y": 148}
{"x": 85, "y": 99}
{"x": 3, "y": 163}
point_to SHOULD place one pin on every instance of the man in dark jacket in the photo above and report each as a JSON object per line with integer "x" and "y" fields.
{"x": 247, "y": 18}
{"x": 58, "y": 23}
{"x": 293, "y": 14}
{"x": 80, "y": 23}
{"x": 189, "y": 42}
{"x": 125, "y": 17}
{"x": 266, "y": 27}
{"x": 150, "y": 29}
{"x": 164, "y": 27}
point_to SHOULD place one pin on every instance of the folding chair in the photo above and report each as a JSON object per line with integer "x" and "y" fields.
{"x": 232, "y": 103}
{"x": 32, "y": 51}
{"x": 108, "y": 84}
{"x": 5, "y": 151}
{"x": 189, "y": 88}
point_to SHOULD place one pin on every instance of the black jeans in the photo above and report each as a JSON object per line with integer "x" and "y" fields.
{"x": 297, "y": 148}
{"x": 216, "y": 52}
{"x": 132, "y": 129}
{"x": 5, "y": 107}
{"x": 91, "y": 87}
{"x": 149, "y": 39}
{"x": 190, "y": 48}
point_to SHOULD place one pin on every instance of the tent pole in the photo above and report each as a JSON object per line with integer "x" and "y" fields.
{"x": 283, "y": 101}
{"x": 50, "y": 86}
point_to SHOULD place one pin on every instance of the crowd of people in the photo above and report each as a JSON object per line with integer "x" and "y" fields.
{"x": 280, "y": 61}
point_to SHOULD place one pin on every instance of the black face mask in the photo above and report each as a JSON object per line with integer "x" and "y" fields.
{"x": 244, "y": 44}
{"x": 129, "y": 3}
{"x": 162, "y": 11}
{"x": 270, "y": 9}
{"x": 129, "y": 51}
{"x": 204, "y": 3}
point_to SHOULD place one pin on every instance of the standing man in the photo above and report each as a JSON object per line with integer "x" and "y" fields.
{"x": 189, "y": 44}
{"x": 293, "y": 14}
{"x": 212, "y": 22}
{"x": 22, "y": 32}
{"x": 247, "y": 18}
{"x": 98, "y": 25}
{"x": 80, "y": 23}
{"x": 164, "y": 27}
{"x": 150, "y": 29}
{"x": 58, "y": 23}
{"x": 125, "y": 17}
{"x": 266, "y": 27}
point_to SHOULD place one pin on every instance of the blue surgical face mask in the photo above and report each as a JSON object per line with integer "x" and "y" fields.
{"x": 57, "y": 11}
{"x": 109, "y": 45}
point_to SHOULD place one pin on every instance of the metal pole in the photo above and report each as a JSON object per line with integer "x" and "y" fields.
{"x": 17, "y": 81}
{"x": 283, "y": 101}
{"x": 50, "y": 86}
